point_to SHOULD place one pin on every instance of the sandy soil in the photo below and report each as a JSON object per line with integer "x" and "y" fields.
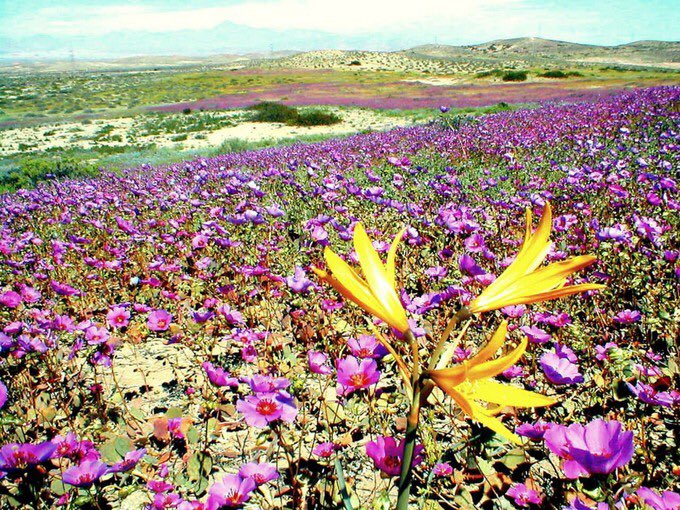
{"x": 84, "y": 135}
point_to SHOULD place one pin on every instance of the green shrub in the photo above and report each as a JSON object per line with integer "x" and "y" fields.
{"x": 32, "y": 170}
{"x": 268, "y": 111}
{"x": 553, "y": 74}
{"x": 515, "y": 76}
{"x": 316, "y": 118}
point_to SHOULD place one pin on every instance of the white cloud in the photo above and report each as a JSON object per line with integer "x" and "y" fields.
{"x": 341, "y": 17}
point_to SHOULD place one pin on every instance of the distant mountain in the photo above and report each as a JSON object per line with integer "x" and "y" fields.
{"x": 531, "y": 49}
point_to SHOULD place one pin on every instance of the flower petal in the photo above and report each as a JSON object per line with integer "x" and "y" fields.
{"x": 495, "y": 367}
{"x": 492, "y": 346}
{"x": 507, "y": 395}
{"x": 494, "y": 424}
{"x": 391, "y": 255}
{"x": 378, "y": 281}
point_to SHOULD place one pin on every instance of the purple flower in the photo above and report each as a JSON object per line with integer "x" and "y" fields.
{"x": 602, "y": 351}
{"x": 649, "y": 395}
{"x": 523, "y": 495}
{"x": 260, "y": 472}
{"x": 17, "y": 457}
{"x": 231, "y": 492}
{"x": 299, "y": 282}
{"x": 159, "y": 320}
{"x": 667, "y": 500}
{"x": 129, "y": 461}
{"x": 218, "y": 376}
{"x": 627, "y": 317}
{"x": 534, "y": 430}
{"x": 559, "y": 367}
{"x": 366, "y": 346}
{"x": 387, "y": 456}
{"x": 535, "y": 335}
{"x": 85, "y": 474}
{"x": 598, "y": 448}
{"x": 468, "y": 266}
{"x": 260, "y": 410}
{"x": 318, "y": 363}
{"x": 354, "y": 375}
{"x": 10, "y": 299}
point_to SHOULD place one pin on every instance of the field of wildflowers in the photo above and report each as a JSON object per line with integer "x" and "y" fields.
{"x": 471, "y": 314}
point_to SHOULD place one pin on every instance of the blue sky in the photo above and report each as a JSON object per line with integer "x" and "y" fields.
{"x": 371, "y": 24}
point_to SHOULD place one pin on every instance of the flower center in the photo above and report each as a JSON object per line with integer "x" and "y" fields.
{"x": 359, "y": 380}
{"x": 266, "y": 407}
{"x": 392, "y": 461}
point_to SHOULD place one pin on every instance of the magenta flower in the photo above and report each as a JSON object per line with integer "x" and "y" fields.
{"x": 366, "y": 346}
{"x": 218, "y": 376}
{"x": 159, "y": 320}
{"x": 560, "y": 366}
{"x": 523, "y": 495}
{"x": 598, "y": 448}
{"x": 442, "y": 469}
{"x": 324, "y": 450}
{"x": 18, "y": 457}
{"x": 667, "y": 500}
{"x": 10, "y": 299}
{"x": 95, "y": 335}
{"x": 353, "y": 375}
{"x": 63, "y": 289}
{"x": 260, "y": 410}
{"x": 85, "y": 474}
{"x": 231, "y": 492}
{"x": 318, "y": 363}
{"x": 118, "y": 317}
{"x": 3, "y": 394}
{"x": 266, "y": 383}
{"x": 627, "y": 317}
{"x": 260, "y": 472}
{"x": 129, "y": 461}
{"x": 387, "y": 456}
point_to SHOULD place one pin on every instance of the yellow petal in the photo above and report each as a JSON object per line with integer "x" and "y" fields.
{"x": 378, "y": 281}
{"x": 494, "y": 344}
{"x": 449, "y": 377}
{"x": 494, "y": 424}
{"x": 507, "y": 395}
{"x": 495, "y": 367}
{"x": 391, "y": 256}
{"x": 560, "y": 292}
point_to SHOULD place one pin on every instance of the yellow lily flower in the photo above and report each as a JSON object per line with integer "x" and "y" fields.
{"x": 523, "y": 283}
{"x": 470, "y": 382}
{"x": 376, "y": 294}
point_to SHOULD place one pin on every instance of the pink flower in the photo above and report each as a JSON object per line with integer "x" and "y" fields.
{"x": 318, "y": 363}
{"x": 260, "y": 410}
{"x": 366, "y": 346}
{"x": 353, "y": 375}
{"x": 159, "y": 320}
{"x": 324, "y": 450}
{"x": 85, "y": 474}
{"x": 442, "y": 469}
{"x": 3, "y": 394}
{"x": 231, "y": 492}
{"x": 260, "y": 472}
{"x": 118, "y": 317}
{"x": 218, "y": 376}
{"x": 523, "y": 495}
{"x": 131, "y": 459}
{"x": 387, "y": 456}
{"x": 95, "y": 335}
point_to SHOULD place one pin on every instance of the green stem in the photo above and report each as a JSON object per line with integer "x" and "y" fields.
{"x": 461, "y": 315}
{"x": 346, "y": 501}
{"x": 406, "y": 476}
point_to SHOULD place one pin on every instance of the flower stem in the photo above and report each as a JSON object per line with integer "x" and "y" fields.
{"x": 406, "y": 476}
